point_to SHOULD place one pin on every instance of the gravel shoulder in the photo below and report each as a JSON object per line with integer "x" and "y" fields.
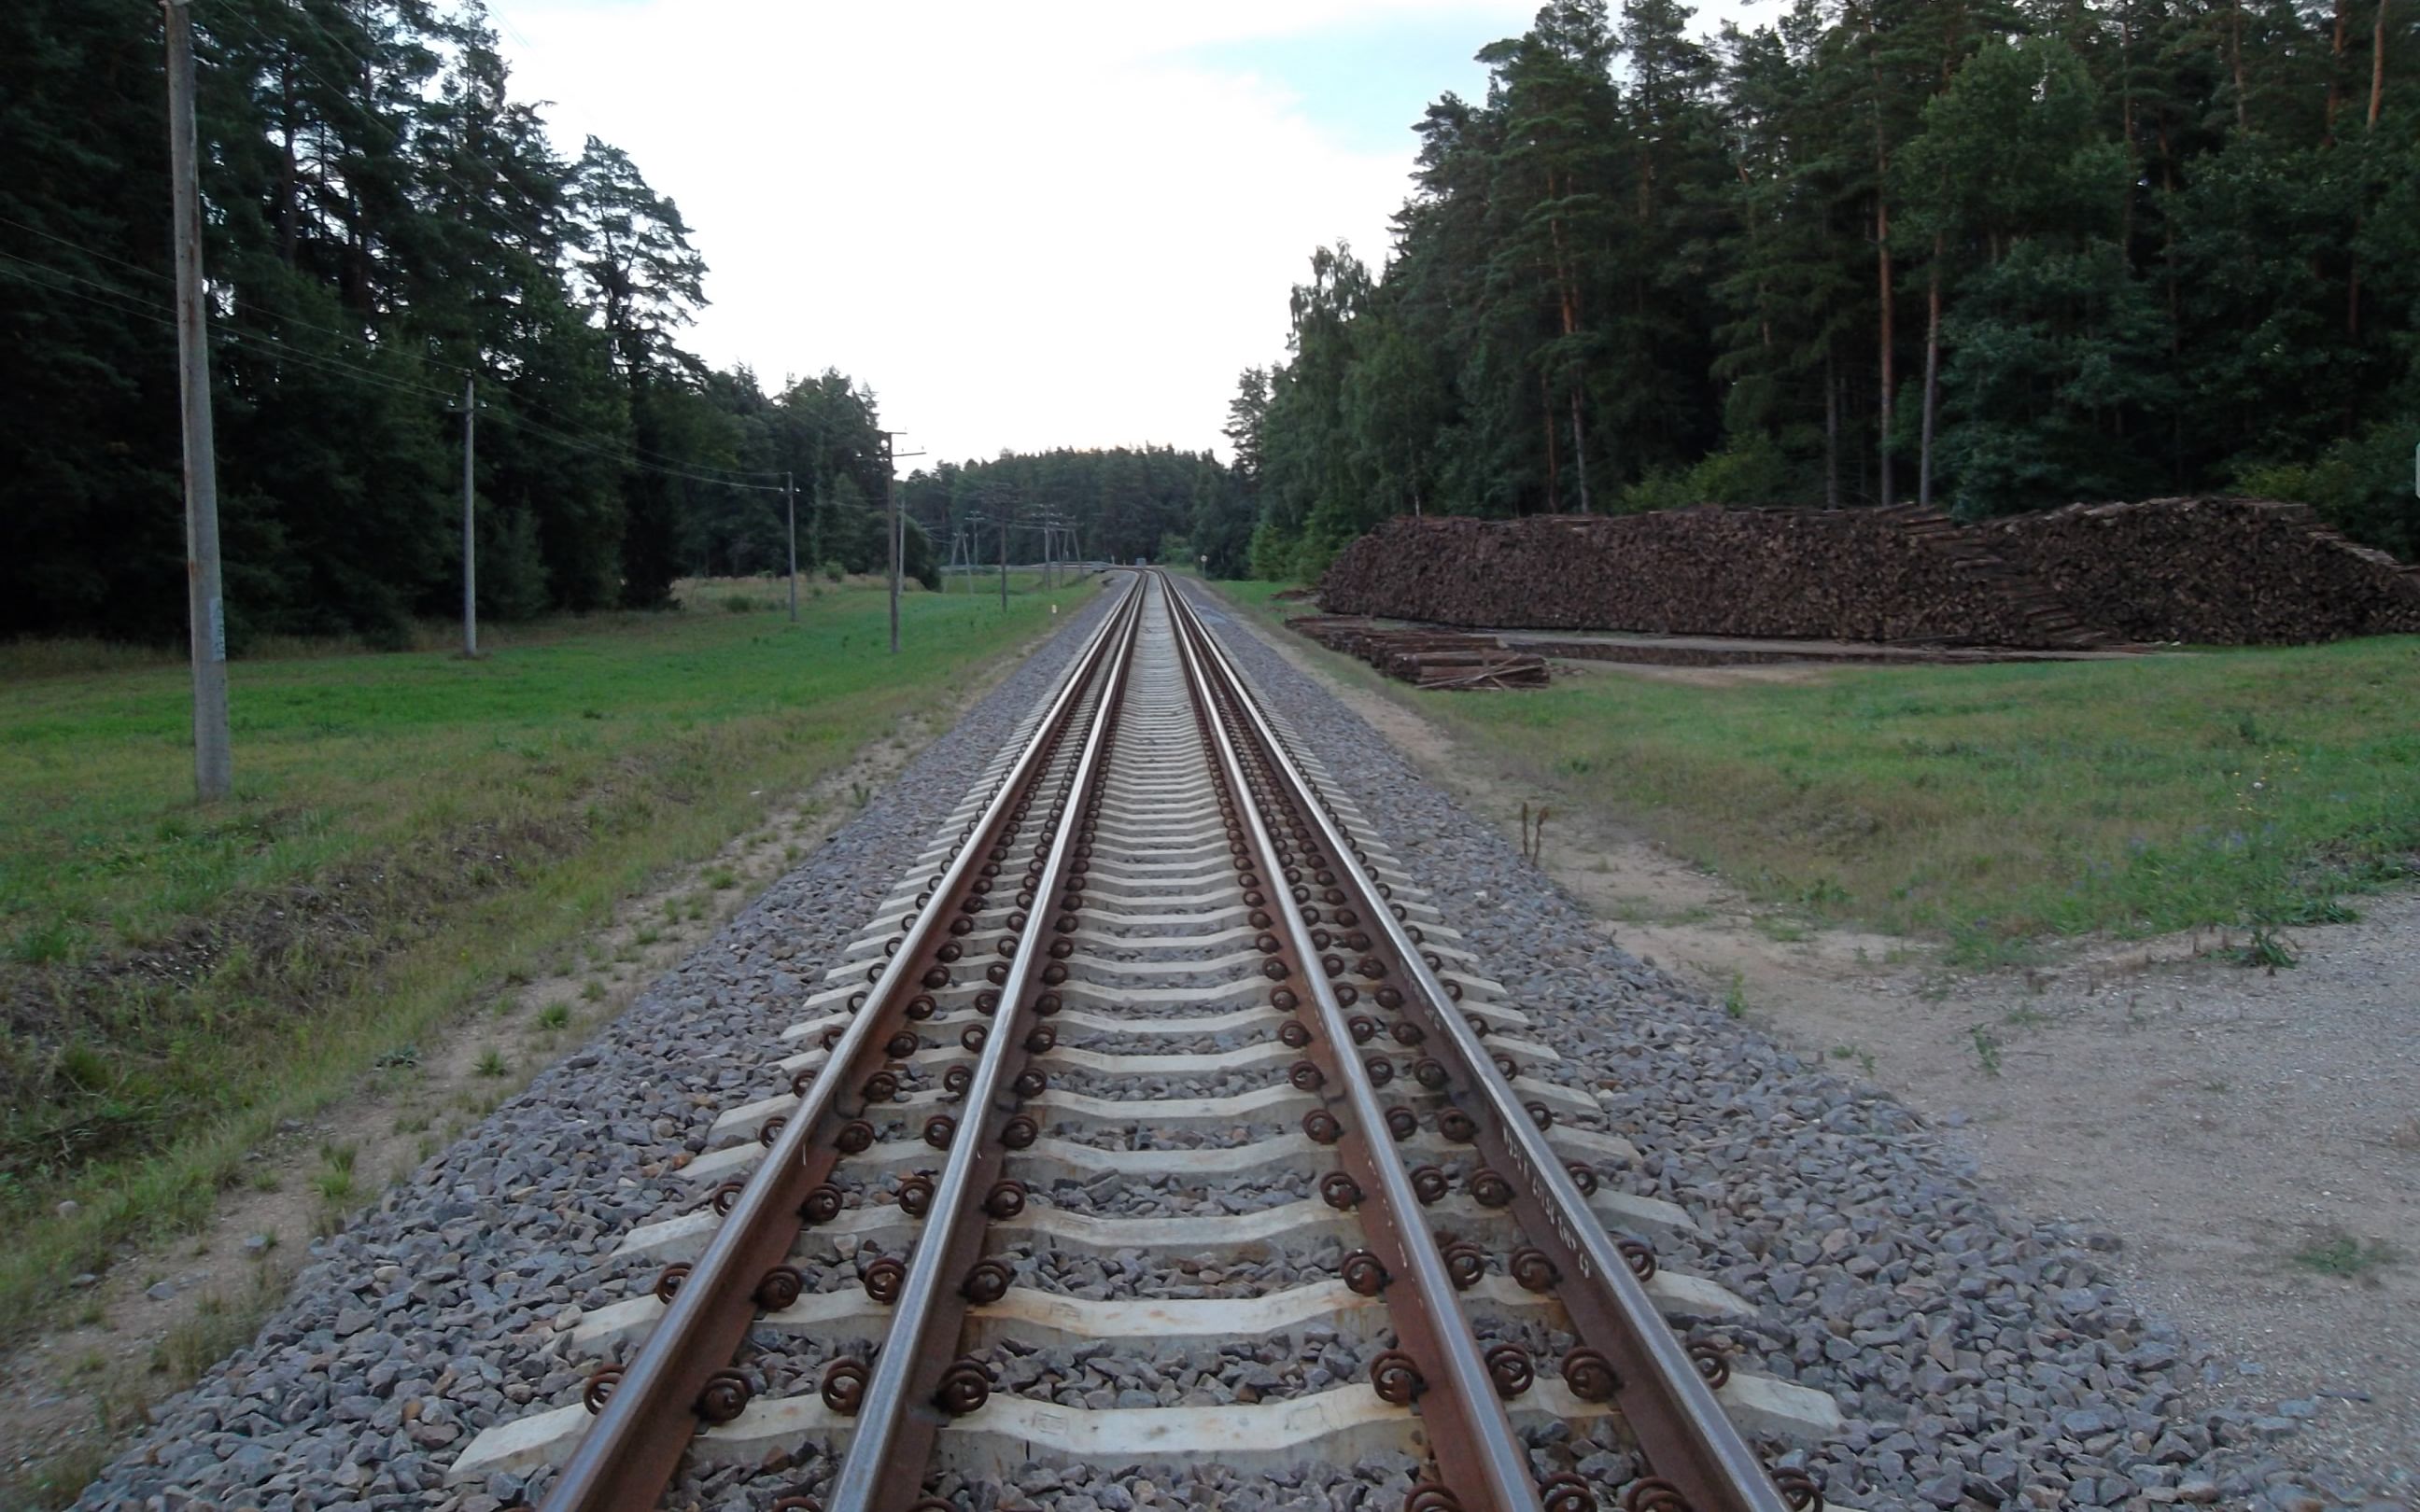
{"x": 2240, "y": 1148}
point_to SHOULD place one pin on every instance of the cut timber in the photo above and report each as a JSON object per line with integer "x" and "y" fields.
{"x": 2207, "y": 571}
{"x": 1426, "y": 658}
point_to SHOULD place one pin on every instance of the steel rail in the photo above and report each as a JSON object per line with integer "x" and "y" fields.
{"x": 1481, "y": 1457}
{"x": 898, "y": 1416}
{"x": 1681, "y": 1430}
{"x": 651, "y": 1409}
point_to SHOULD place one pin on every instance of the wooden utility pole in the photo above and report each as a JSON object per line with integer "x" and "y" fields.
{"x": 470, "y": 520}
{"x": 790, "y": 509}
{"x": 898, "y": 526}
{"x": 890, "y": 502}
{"x": 205, "y": 606}
{"x": 1002, "y": 522}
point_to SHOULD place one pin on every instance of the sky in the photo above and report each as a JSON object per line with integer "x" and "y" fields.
{"x": 1053, "y": 222}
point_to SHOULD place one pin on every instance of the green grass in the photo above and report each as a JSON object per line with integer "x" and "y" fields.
{"x": 2344, "y": 1256}
{"x": 1997, "y": 805}
{"x": 409, "y": 832}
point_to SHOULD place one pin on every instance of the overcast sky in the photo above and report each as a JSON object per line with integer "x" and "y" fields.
{"x": 1049, "y": 222}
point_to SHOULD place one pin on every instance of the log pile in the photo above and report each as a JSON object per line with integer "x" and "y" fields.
{"x": 1851, "y": 574}
{"x": 1425, "y": 659}
{"x": 2211, "y": 571}
{"x": 2228, "y": 572}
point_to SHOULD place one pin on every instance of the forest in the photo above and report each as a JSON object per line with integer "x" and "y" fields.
{"x": 387, "y": 225}
{"x": 1976, "y": 254}
{"x": 1122, "y": 502}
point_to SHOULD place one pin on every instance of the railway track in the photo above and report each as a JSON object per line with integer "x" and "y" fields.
{"x": 1159, "y": 1129}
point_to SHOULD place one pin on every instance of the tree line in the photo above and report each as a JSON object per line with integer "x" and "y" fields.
{"x": 385, "y": 223}
{"x": 1982, "y": 255}
{"x": 1119, "y": 502}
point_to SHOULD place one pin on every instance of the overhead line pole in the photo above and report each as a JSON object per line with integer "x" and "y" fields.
{"x": 790, "y": 508}
{"x": 890, "y": 502}
{"x": 469, "y": 519}
{"x": 898, "y": 527}
{"x": 205, "y": 606}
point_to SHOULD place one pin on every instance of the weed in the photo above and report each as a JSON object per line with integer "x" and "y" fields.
{"x": 2025, "y": 1018}
{"x": 647, "y": 936}
{"x": 1735, "y": 998}
{"x": 1987, "y": 1050}
{"x": 1776, "y": 928}
{"x": 592, "y": 991}
{"x": 492, "y": 1062}
{"x": 39, "y": 945}
{"x": 720, "y": 878}
{"x": 2217, "y": 1088}
{"x": 220, "y": 1323}
{"x": 2264, "y": 950}
{"x": 1824, "y": 892}
{"x": 2317, "y": 910}
{"x": 859, "y": 794}
{"x": 265, "y": 1178}
{"x": 334, "y": 1184}
{"x": 554, "y": 1016}
{"x": 2345, "y": 1256}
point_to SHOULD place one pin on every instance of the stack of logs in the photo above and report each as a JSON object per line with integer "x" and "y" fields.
{"x": 2219, "y": 572}
{"x": 1425, "y": 659}
{"x": 2211, "y": 571}
{"x": 1847, "y": 575}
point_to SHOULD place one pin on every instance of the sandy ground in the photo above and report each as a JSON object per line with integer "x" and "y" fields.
{"x": 2248, "y": 1141}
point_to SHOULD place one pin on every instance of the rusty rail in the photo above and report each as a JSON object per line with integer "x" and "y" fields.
{"x": 913, "y": 1386}
{"x": 1438, "y": 1363}
{"x": 1627, "y": 1355}
{"x": 648, "y": 1410}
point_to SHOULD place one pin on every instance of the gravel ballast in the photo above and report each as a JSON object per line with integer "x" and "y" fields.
{"x": 1982, "y": 1360}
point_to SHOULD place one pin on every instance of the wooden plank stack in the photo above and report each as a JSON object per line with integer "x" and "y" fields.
{"x": 1425, "y": 659}
{"x": 2210, "y": 571}
{"x": 2228, "y": 572}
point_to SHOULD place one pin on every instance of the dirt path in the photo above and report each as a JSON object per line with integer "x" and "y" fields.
{"x": 159, "y": 1317}
{"x": 2247, "y": 1141}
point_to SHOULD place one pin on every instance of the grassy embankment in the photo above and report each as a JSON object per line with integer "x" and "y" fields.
{"x": 411, "y": 833}
{"x": 2000, "y": 805}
